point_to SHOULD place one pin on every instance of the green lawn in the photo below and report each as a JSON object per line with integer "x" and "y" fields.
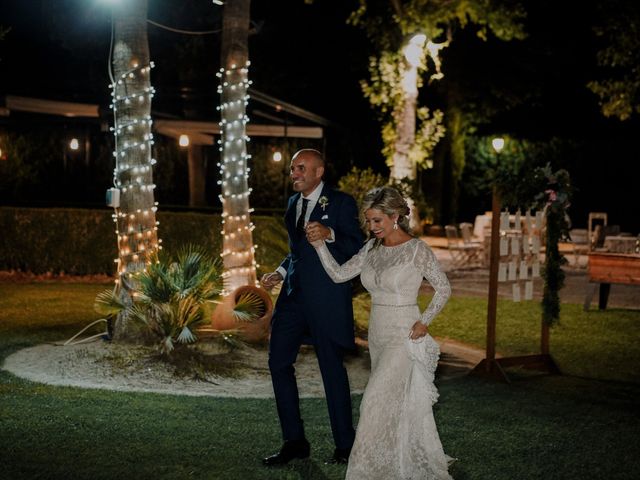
{"x": 594, "y": 344}
{"x": 561, "y": 427}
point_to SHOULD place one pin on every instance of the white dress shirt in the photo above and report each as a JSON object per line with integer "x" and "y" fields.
{"x": 313, "y": 199}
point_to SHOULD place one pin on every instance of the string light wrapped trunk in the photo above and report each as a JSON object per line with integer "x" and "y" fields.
{"x": 135, "y": 208}
{"x": 238, "y": 250}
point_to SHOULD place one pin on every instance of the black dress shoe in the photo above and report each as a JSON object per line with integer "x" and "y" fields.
{"x": 290, "y": 450}
{"x": 340, "y": 457}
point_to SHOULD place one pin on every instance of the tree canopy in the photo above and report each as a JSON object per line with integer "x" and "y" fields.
{"x": 618, "y": 86}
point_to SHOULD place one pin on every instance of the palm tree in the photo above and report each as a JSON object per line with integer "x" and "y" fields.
{"x": 237, "y": 245}
{"x": 171, "y": 296}
{"x": 133, "y": 180}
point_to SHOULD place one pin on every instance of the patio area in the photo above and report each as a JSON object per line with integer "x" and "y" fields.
{"x": 474, "y": 281}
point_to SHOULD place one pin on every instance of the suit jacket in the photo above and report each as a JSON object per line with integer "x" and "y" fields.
{"x": 327, "y": 304}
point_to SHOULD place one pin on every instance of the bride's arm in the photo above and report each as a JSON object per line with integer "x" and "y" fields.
{"x": 345, "y": 272}
{"x": 426, "y": 262}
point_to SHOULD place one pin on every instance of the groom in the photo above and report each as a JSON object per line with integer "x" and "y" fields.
{"x": 313, "y": 309}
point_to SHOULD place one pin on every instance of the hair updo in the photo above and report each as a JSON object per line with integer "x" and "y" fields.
{"x": 390, "y": 202}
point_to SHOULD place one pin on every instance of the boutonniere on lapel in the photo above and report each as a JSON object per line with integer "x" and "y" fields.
{"x": 323, "y": 201}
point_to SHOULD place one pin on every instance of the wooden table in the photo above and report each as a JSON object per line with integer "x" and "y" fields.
{"x": 607, "y": 268}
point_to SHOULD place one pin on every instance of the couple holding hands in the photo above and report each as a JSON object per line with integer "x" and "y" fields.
{"x": 396, "y": 437}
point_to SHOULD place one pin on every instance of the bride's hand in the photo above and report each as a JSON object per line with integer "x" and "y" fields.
{"x": 418, "y": 330}
{"x": 316, "y": 233}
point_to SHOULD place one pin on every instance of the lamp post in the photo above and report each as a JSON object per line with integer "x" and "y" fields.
{"x": 492, "y": 304}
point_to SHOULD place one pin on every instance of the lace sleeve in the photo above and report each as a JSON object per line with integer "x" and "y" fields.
{"x": 348, "y": 270}
{"x": 427, "y": 263}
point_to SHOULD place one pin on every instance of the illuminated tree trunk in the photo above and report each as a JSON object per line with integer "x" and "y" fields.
{"x": 132, "y": 93}
{"x": 403, "y": 167}
{"x": 237, "y": 245}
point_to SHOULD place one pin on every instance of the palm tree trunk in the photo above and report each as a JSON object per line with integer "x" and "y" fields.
{"x": 132, "y": 92}
{"x": 237, "y": 244}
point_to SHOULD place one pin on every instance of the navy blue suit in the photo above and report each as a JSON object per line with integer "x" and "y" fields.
{"x": 311, "y": 308}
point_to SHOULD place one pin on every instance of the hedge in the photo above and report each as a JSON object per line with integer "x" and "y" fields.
{"x": 83, "y": 242}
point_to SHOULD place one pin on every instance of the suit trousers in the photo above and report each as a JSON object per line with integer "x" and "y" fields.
{"x": 290, "y": 328}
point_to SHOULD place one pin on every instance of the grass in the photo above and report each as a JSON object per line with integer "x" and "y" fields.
{"x": 552, "y": 427}
{"x": 598, "y": 344}
{"x": 602, "y": 344}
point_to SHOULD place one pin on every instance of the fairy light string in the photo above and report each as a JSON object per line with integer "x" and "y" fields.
{"x": 238, "y": 250}
{"x": 135, "y": 217}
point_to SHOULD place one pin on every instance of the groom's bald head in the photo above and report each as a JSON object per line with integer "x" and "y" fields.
{"x": 311, "y": 154}
{"x": 307, "y": 169}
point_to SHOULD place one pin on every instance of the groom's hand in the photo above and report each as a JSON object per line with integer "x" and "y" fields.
{"x": 270, "y": 280}
{"x": 317, "y": 233}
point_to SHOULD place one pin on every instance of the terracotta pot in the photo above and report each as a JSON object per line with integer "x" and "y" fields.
{"x": 253, "y": 331}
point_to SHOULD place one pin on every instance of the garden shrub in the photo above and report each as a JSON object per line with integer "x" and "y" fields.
{"x": 83, "y": 242}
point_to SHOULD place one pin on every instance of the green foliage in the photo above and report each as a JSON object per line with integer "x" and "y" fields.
{"x": 169, "y": 296}
{"x": 71, "y": 241}
{"x": 249, "y": 306}
{"x": 435, "y": 17}
{"x": 554, "y": 196}
{"x": 109, "y": 304}
{"x": 430, "y": 131}
{"x": 83, "y": 242}
{"x": 512, "y": 170}
{"x": 618, "y": 88}
{"x": 388, "y": 24}
{"x": 384, "y": 91}
{"x": 358, "y": 182}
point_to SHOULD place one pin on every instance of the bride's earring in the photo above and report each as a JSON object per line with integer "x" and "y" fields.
{"x": 395, "y": 225}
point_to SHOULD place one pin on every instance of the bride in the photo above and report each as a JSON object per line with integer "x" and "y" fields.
{"x": 396, "y": 435}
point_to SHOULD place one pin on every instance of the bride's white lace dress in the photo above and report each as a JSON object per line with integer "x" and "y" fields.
{"x": 397, "y": 436}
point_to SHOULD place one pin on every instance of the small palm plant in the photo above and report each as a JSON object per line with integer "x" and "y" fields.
{"x": 170, "y": 297}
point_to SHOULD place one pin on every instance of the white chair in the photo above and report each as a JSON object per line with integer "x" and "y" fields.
{"x": 463, "y": 254}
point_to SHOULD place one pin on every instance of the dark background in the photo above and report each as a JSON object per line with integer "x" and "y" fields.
{"x": 532, "y": 90}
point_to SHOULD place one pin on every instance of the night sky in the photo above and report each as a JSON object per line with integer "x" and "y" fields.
{"x": 307, "y": 55}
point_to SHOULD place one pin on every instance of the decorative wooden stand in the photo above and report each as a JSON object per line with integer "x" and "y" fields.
{"x": 491, "y": 366}
{"x": 543, "y": 362}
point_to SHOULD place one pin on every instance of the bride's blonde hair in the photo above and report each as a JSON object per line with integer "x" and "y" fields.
{"x": 389, "y": 201}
